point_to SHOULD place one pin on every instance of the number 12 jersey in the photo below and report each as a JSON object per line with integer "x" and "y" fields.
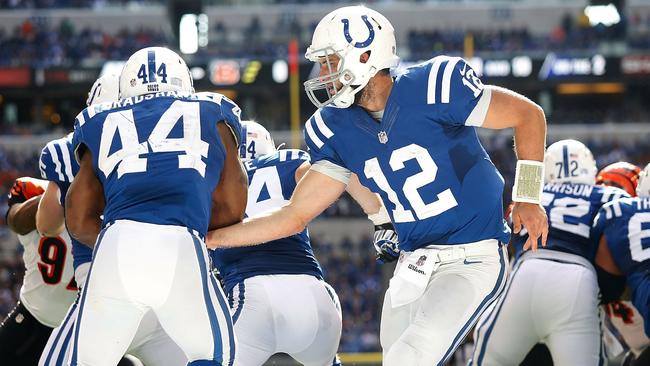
{"x": 424, "y": 157}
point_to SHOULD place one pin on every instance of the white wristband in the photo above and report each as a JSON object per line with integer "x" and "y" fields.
{"x": 529, "y": 181}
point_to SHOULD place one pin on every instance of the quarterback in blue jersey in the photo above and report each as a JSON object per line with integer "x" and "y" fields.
{"x": 623, "y": 227}
{"x": 552, "y": 295}
{"x": 161, "y": 165}
{"x": 280, "y": 279}
{"x": 412, "y": 140}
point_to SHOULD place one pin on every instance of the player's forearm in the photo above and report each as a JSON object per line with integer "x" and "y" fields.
{"x": 22, "y": 217}
{"x": 368, "y": 200}
{"x": 49, "y": 217}
{"x": 271, "y": 226}
{"x": 530, "y": 134}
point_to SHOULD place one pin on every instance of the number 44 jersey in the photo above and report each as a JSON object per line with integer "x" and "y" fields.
{"x": 571, "y": 209}
{"x": 158, "y": 156}
{"x": 423, "y": 158}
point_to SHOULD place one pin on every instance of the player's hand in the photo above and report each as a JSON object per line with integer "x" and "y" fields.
{"x": 533, "y": 217}
{"x": 386, "y": 243}
{"x": 25, "y": 188}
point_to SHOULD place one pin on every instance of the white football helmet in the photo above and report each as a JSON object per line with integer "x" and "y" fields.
{"x": 348, "y": 33}
{"x": 105, "y": 89}
{"x": 569, "y": 161}
{"x": 152, "y": 70}
{"x": 643, "y": 188}
{"x": 255, "y": 141}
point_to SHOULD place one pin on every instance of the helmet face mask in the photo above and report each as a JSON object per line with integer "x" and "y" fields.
{"x": 336, "y": 85}
{"x": 348, "y": 33}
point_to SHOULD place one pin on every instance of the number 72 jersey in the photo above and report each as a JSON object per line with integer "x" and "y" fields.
{"x": 423, "y": 158}
{"x": 571, "y": 209}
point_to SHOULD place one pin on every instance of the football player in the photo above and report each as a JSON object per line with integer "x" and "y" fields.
{"x": 412, "y": 140}
{"x": 151, "y": 344}
{"x": 162, "y": 167}
{"x": 276, "y": 291}
{"x": 48, "y": 286}
{"x": 623, "y": 227}
{"x": 623, "y": 327}
{"x": 552, "y": 295}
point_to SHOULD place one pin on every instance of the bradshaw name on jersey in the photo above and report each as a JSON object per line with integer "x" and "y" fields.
{"x": 158, "y": 156}
{"x": 424, "y": 158}
{"x": 571, "y": 209}
{"x": 272, "y": 180}
{"x": 58, "y": 165}
{"x": 625, "y": 223}
{"x": 48, "y": 288}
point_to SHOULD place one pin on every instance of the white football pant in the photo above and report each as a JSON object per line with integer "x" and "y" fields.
{"x": 552, "y": 298}
{"x": 295, "y": 314}
{"x": 138, "y": 268}
{"x": 426, "y": 331}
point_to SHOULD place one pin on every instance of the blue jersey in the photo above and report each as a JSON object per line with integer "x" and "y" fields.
{"x": 272, "y": 179}
{"x": 625, "y": 223}
{"x": 424, "y": 157}
{"x": 159, "y": 156}
{"x": 58, "y": 165}
{"x": 571, "y": 209}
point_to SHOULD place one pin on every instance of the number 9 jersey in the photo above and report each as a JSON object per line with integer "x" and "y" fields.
{"x": 159, "y": 156}
{"x": 625, "y": 223}
{"x": 424, "y": 157}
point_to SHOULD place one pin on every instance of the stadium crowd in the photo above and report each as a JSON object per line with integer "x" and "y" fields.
{"x": 40, "y": 43}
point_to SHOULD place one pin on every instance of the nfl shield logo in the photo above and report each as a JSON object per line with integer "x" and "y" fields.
{"x": 421, "y": 260}
{"x": 383, "y": 137}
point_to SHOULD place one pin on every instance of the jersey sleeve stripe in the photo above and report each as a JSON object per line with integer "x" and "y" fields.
{"x": 80, "y": 119}
{"x": 42, "y": 168}
{"x": 477, "y": 117}
{"x": 446, "y": 79}
{"x": 283, "y": 155}
{"x": 433, "y": 79}
{"x": 312, "y": 135}
{"x": 55, "y": 160}
{"x": 322, "y": 127}
{"x": 67, "y": 163}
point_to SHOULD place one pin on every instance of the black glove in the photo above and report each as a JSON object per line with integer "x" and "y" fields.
{"x": 386, "y": 243}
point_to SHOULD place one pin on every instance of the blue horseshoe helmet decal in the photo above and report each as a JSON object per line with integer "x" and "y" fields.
{"x": 371, "y": 30}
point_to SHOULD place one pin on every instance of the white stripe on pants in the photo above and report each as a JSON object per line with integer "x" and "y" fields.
{"x": 552, "y": 298}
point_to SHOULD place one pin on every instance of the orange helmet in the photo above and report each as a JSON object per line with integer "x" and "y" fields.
{"x": 621, "y": 175}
